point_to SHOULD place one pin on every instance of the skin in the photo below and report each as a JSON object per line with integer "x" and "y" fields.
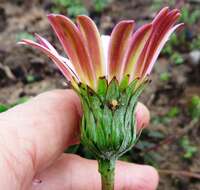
{"x": 33, "y": 137}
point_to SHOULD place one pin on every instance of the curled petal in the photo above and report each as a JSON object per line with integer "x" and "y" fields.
{"x": 73, "y": 44}
{"x": 66, "y": 71}
{"x": 118, "y": 45}
{"x": 161, "y": 45}
{"x": 92, "y": 41}
{"x": 162, "y": 24}
{"x": 46, "y": 44}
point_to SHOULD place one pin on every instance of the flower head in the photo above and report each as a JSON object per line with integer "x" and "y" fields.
{"x": 108, "y": 73}
{"x": 123, "y": 53}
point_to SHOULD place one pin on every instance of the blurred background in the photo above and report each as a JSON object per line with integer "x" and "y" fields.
{"x": 172, "y": 142}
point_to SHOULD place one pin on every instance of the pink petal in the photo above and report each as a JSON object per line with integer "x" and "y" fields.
{"x": 136, "y": 46}
{"x": 163, "y": 22}
{"x": 120, "y": 37}
{"x": 66, "y": 71}
{"x": 46, "y": 44}
{"x": 73, "y": 44}
{"x": 92, "y": 41}
{"x": 161, "y": 45}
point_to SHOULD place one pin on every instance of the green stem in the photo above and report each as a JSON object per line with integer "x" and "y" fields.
{"x": 107, "y": 171}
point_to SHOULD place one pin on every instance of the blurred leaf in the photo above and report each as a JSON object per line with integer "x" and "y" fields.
{"x": 72, "y": 149}
{"x": 165, "y": 76}
{"x": 30, "y": 78}
{"x": 144, "y": 144}
{"x": 20, "y": 101}
{"x": 125, "y": 158}
{"x": 71, "y": 7}
{"x": 177, "y": 58}
{"x": 189, "y": 150}
{"x": 160, "y": 119}
{"x": 3, "y": 108}
{"x": 194, "y": 107}
{"x": 24, "y": 35}
{"x": 100, "y": 5}
{"x": 173, "y": 112}
{"x": 156, "y": 134}
{"x": 195, "y": 43}
{"x": 152, "y": 158}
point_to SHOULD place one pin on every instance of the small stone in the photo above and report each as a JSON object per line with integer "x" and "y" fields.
{"x": 194, "y": 57}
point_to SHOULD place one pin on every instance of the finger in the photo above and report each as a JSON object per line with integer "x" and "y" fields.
{"x": 49, "y": 123}
{"x": 142, "y": 116}
{"x": 42, "y": 127}
{"x": 73, "y": 172}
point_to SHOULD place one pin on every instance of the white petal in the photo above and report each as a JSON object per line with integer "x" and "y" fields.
{"x": 45, "y": 43}
{"x": 105, "y": 39}
{"x": 70, "y": 65}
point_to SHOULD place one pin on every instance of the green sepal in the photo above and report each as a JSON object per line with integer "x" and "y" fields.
{"x": 113, "y": 90}
{"x": 102, "y": 87}
{"x": 124, "y": 83}
{"x": 109, "y": 123}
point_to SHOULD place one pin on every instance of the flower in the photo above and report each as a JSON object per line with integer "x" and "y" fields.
{"x": 123, "y": 53}
{"x": 109, "y": 74}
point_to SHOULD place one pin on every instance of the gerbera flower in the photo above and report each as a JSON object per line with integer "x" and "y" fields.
{"x": 108, "y": 73}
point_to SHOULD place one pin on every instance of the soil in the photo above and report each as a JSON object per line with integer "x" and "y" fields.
{"x": 26, "y": 72}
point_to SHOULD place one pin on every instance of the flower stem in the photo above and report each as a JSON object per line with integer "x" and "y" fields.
{"x": 107, "y": 171}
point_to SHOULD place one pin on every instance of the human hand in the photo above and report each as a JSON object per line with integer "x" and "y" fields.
{"x": 33, "y": 137}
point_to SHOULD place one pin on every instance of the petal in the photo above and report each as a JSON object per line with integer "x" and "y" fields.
{"x": 66, "y": 71}
{"x": 92, "y": 40}
{"x": 120, "y": 37}
{"x": 163, "y": 22}
{"x": 161, "y": 45}
{"x": 73, "y": 44}
{"x": 136, "y": 46}
{"x": 105, "y": 40}
{"x": 46, "y": 44}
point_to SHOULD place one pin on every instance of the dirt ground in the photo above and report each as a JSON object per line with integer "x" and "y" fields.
{"x": 25, "y": 72}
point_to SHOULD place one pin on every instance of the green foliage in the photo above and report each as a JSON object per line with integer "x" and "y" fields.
{"x": 148, "y": 140}
{"x": 194, "y": 107}
{"x": 24, "y": 35}
{"x": 177, "y": 58}
{"x": 73, "y": 7}
{"x": 4, "y": 107}
{"x": 158, "y": 4}
{"x": 173, "y": 112}
{"x": 165, "y": 76}
{"x": 189, "y": 149}
{"x": 77, "y": 7}
{"x": 30, "y": 78}
{"x": 100, "y": 5}
{"x": 189, "y": 17}
{"x": 195, "y": 43}
{"x": 160, "y": 120}
{"x": 72, "y": 149}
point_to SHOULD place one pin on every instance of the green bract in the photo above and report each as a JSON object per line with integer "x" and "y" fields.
{"x": 108, "y": 124}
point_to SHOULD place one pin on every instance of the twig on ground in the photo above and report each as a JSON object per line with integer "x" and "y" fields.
{"x": 180, "y": 173}
{"x": 173, "y": 137}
